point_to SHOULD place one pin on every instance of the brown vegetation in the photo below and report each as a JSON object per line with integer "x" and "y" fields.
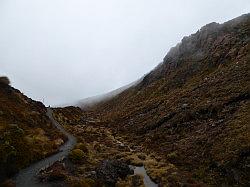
{"x": 26, "y": 133}
{"x": 186, "y": 122}
{"x": 193, "y": 109}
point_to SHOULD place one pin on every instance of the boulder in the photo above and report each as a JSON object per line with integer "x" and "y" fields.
{"x": 110, "y": 171}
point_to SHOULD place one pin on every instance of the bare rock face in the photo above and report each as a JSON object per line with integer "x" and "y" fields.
{"x": 214, "y": 43}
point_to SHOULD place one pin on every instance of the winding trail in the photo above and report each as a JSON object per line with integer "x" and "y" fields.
{"x": 27, "y": 177}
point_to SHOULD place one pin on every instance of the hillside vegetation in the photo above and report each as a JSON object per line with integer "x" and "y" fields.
{"x": 26, "y": 133}
{"x": 193, "y": 109}
{"x": 186, "y": 122}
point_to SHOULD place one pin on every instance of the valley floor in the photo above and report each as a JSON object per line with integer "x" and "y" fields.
{"x": 102, "y": 158}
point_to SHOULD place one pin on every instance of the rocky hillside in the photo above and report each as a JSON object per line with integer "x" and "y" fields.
{"x": 193, "y": 109}
{"x": 26, "y": 133}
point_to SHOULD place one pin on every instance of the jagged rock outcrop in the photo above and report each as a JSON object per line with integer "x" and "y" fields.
{"x": 212, "y": 44}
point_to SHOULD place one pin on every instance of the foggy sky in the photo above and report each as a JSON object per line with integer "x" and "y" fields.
{"x": 66, "y": 50}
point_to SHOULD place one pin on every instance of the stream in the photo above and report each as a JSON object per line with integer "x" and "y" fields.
{"x": 140, "y": 170}
{"x": 146, "y": 179}
{"x": 27, "y": 177}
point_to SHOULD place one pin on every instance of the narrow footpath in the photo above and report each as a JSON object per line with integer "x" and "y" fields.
{"x": 27, "y": 177}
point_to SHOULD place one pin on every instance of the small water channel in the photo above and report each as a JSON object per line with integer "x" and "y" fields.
{"x": 140, "y": 170}
{"x": 146, "y": 179}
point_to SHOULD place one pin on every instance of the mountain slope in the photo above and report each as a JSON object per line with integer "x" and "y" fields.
{"x": 26, "y": 133}
{"x": 193, "y": 109}
{"x": 92, "y": 101}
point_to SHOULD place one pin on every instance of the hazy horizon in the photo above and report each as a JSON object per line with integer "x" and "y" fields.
{"x": 63, "y": 51}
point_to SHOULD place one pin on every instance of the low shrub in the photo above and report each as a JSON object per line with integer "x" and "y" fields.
{"x": 77, "y": 155}
{"x": 4, "y": 80}
{"x": 83, "y": 147}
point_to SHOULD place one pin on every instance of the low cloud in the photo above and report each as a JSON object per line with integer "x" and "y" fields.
{"x": 62, "y": 51}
